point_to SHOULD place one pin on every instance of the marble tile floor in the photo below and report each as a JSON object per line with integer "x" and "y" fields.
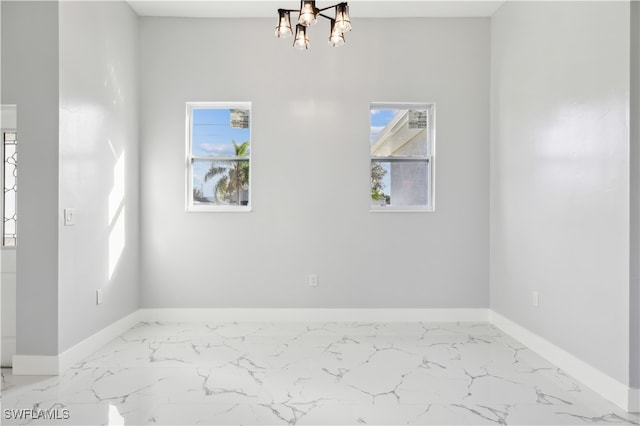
{"x": 304, "y": 373}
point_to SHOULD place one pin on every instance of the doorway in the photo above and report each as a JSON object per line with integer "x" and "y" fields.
{"x": 9, "y": 140}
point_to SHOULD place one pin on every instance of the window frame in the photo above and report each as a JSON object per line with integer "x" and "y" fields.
{"x": 3, "y": 202}
{"x": 428, "y": 158}
{"x": 190, "y": 157}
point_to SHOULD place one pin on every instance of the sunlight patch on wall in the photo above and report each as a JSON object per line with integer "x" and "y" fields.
{"x": 116, "y": 242}
{"x": 116, "y": 197}
{"x": 117, "y": 234}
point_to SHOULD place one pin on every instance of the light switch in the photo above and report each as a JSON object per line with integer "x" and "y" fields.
{"x": 69, "y": 217}
{"x": 535, "y": 299}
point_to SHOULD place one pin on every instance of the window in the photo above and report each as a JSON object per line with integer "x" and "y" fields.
{"x": 10, "y": 193}
{"x": 218, "y": 156}
{"x": 402, "y": 152}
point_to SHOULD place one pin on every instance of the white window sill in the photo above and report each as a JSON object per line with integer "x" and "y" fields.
{"x": 402, "y": 209}
{"x": 218, "y": 209}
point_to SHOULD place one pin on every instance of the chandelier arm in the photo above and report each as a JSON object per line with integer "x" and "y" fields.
{"x": 331, "y": 7}
{"x": 325, "y": 16}
{"x": 319, "y": 10}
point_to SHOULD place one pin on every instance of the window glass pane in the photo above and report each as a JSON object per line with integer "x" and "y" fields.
{"x": 401, "y": 151}
{"x": 10, "y": 188}
{"x": 399, "y": 183}
{"x": 220, "y": 182}
{"x": 219, "y": 132}
{"x": 218, "y": 157}
{"x": 399, "y": 131}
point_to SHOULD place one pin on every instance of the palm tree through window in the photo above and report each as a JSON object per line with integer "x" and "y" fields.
{"x": 218, "y": 159}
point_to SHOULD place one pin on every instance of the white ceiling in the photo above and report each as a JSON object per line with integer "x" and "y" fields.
{"x": 357, "y": 8}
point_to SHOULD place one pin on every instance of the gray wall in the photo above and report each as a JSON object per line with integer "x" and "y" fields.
{"x": 310, "y": 167}
{"x": 72, "y": 71}
{"x": 30, "y": 80}
{"x": 634, "y": 293}
{"x": 98, "y": 166}
{"x": 560, "y": 175}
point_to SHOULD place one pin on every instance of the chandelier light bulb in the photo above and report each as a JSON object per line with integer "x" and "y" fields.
{"x": 283, "y": 30}
{"x": 342, "y": 17}
{"x": 336, "y": 37}
{"x": 301, "y": 41}
{"x": 308, "y": 13}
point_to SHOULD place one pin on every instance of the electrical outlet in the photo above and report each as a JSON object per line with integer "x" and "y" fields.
{"x": 535, "y": 299}
{"x": 98, "y": 296}
{"x": 313, "y": 280}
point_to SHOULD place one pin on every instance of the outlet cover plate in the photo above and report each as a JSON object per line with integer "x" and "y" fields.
{"x": 313, "y": 280}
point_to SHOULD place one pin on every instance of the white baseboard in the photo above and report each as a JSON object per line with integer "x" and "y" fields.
{"x": 56, "y": 364}
{"x": 36, "y": 365}
{"x": 609, "y": 388}
{"x": 81, "y": 350}
{"x": 8, "y": 350}
{"x": 314, "y": 315}
{"x": 634, "y": 400}
{"x": 605, "y": 385}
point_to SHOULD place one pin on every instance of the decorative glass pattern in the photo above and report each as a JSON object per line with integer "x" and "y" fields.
{"x": 9, "y": 227}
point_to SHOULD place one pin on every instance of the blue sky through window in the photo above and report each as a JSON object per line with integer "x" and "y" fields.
{"x": 379, "y": 119}
{"x": 213, "y": 134}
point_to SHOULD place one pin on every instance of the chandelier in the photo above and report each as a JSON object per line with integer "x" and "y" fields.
{"x": 307, "y": 16}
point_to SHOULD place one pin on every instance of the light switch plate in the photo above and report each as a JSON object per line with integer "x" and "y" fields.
{"x": 535, "y": 299}
{"x": 69, "y": 217}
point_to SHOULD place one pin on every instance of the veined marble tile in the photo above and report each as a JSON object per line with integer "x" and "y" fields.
{"x": 310, "y": 373}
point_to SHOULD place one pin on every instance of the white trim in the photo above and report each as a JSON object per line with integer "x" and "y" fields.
{"x": 605, "y": 385}
{"x": 218, "y": 208}
{"x": 634, "y": 400}
{"x": 314, "y": 315}
{"x": 36, "y": 365}
{"x": 189, "y": 159}
{"x": 400, "y": 209}
{"x": 430, "y": 158}
{"x": 57, "y": 364}
{"x": 83, "y": 349}
{"x": 608, "y": 387}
